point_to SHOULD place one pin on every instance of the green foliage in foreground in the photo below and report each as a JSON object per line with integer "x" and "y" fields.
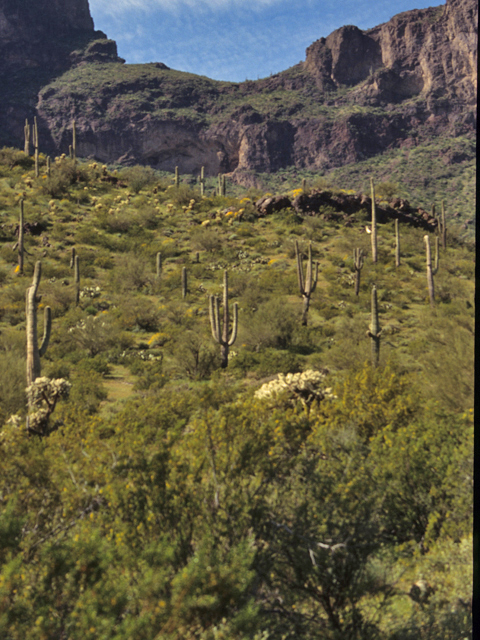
{"x": 169, "y": 501}
{"x": 217, "y": 515}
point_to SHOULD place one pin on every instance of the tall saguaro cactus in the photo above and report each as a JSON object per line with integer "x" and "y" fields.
{"x": 76, "y": 277}
{"x": 397, "y": 243}
{"x": 177, "y": 178}
{"x": 222, "y": 189}
{"x": 224, "y": 337}
{"x": 202, "y": 181}
{"x": 35, "y": 144}
{"x": 20, "y": 240}
{"x": 374, "y": 331}
{"x": 358, "y": 264}
{"x": 307, "y": 284}
{"x": 74, "y": 141}
{"x": 26, "y": 133}
{"x": 430, "y": 270}
{"x": 34, "y": 352}
{"x": 184, "y": 282}
{"x": 374, "y": 223}
{"x": 442, "y": 226}
{"x": 158, "y": 264}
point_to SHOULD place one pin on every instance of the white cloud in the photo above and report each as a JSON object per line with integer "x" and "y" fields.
{"x": 109, "y": 8}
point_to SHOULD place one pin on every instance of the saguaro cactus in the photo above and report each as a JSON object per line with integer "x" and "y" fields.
{"x": 374, "y": 223}
{"x": 74, "y": 141}
{"x": 26, "y": 132}
{"x": 358, "y": 264}
{"x": 221, "y": 184}
{"x": 159, "y": 264}
{"x": 374, "y": 331}
{"x": 219, "y": 335}
{"x": 177, "y": 178}
{"x": 184, "y": 282}
{"x": 202, "y": 181}
{"x": 76, "y": 278}
{"x": 34, "y": 352}
{"x": 397, "y": 243}
{"x": 20, "y": 239}
{"x": 308, "y": 284}
{"x": 430, "y": 270}
{"x": 35, "y": 144}
{"x": 442, "y": 226}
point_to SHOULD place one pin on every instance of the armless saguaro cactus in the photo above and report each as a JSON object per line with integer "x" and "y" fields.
{"x": 374, "y": 223}
{"x": 442, "y": 226}
{"x": 26, "y": 133}
{"x": 308, "y": 284}
{"x": 76, "y": 277}
{"x": 177, "y": 178}
{"x": 34, "y": 352}
{"x": 159, "y": 264}
{"x": 35, "y": 144}
{"x": 222, "y": 190}
{"x": 74, "y": 141}
{"x": 202, "y": 181}
{"x": 222, "y": 336}
{"x": 358, "y": 264}
{"x": 20, "y": 240}
{"x": 430, "y": 270}
{"x": 397, "y": 243}
{"x": 184, "y": 282}
{"x": 374, "y": 331}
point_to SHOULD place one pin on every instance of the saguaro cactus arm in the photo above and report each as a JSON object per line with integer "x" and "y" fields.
{"x": 233, "y": 336}
{"x": 214, "y": 309}
{"x": 47, "y": 327}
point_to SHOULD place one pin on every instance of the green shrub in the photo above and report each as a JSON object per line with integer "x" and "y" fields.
{"x": 138, "y": 177}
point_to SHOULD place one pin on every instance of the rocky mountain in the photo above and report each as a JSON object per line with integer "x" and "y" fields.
{"x": 357, "y": 94}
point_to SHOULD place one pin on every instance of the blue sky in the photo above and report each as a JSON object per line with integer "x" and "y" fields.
{"x": 233, "y": 39}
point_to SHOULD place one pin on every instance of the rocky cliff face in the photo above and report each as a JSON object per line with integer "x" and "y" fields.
{"x": 357, "y": 94}
{"x": 35, "y": 33}
{"x": 39, "y": 39}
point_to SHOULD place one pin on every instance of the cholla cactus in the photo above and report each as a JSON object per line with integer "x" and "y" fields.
{"x": 306, "y": 387}
{"x": 42, "y": 396}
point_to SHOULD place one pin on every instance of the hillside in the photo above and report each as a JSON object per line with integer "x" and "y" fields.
{"x": 174, "y": 498}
